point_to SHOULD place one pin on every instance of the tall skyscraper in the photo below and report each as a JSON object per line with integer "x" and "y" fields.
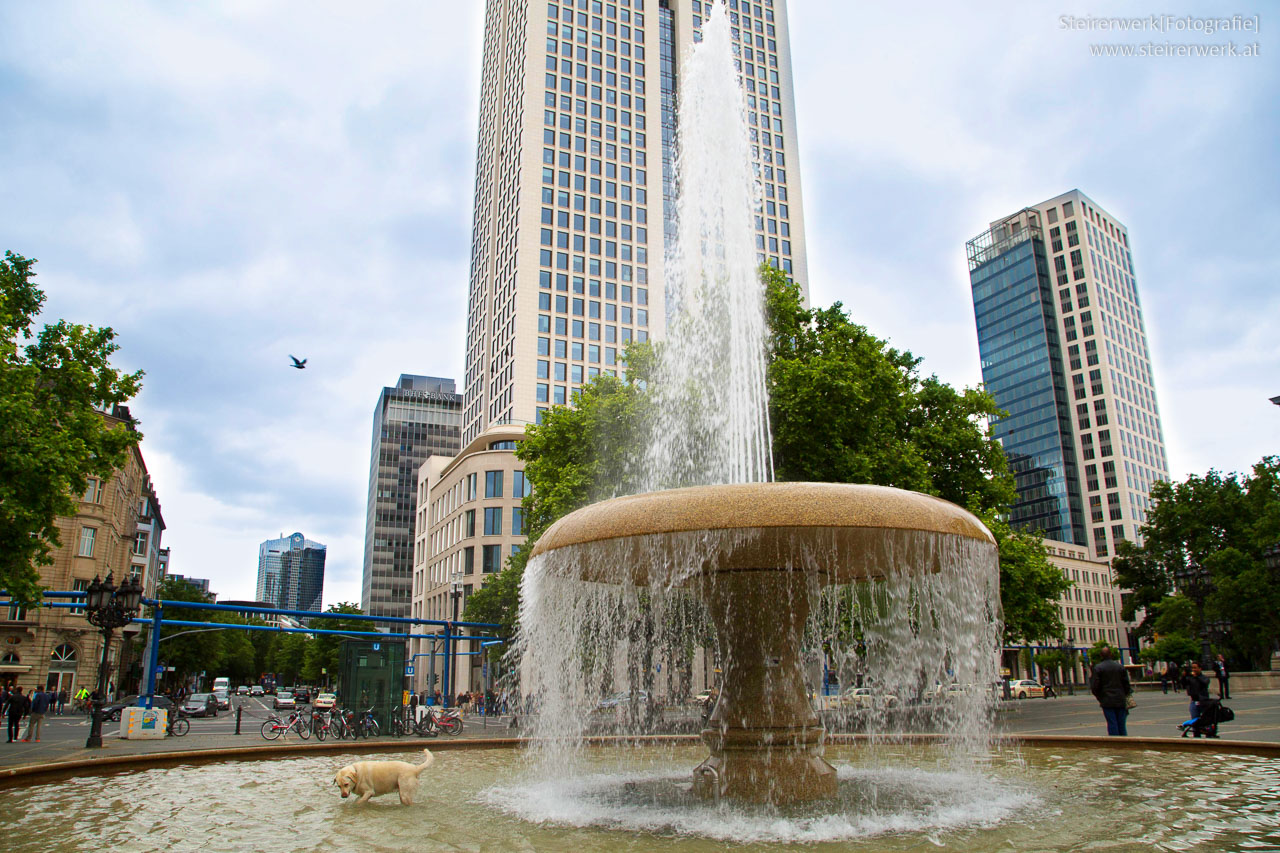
{"x": 1064, "y": 352}
{"x": 579, "y": 107}
{"x": 420, "y": 417}
{"x": 291, "y": 573}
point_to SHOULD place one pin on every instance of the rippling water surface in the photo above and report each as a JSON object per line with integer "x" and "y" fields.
{"x": 904, "y": 799}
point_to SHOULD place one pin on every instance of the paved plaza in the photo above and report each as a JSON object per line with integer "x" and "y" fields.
{"x": 1157, "y": 716}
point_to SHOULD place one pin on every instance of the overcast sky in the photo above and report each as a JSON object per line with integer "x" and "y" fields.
{"x": 228, "y": 183}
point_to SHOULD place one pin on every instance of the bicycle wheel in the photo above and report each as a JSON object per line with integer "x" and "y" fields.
{"x": 319, "y": 729}
{"x": 304, "y": 731}
{"x": 272, "y": 729}
{"x": 451, "y": 725}
{"x": 180, "y": 727}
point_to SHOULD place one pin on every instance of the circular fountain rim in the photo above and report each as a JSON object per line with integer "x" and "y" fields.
{"x": 26, "y": 775}
{"x": 762, "y": 506}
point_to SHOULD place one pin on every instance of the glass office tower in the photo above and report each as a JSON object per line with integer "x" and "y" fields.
{"x": 291, "y": 573}
{"x": 1064, "y": 352}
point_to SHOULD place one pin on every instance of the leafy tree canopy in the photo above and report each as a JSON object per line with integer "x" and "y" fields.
{"x": 844, "y": 407}
{"x": 1225, "y": 524}
{"x": 54, "y": 385}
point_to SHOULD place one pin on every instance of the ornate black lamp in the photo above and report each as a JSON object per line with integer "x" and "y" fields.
{"x": 109, "y": 608}
{"x": 1196, "y": 583}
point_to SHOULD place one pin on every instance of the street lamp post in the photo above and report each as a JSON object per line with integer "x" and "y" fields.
{"x": 1196, "y": 584}
{"x": 1066, "y": 647}
{"x": 451, "y": 649}
{"x": 108, "y": 608}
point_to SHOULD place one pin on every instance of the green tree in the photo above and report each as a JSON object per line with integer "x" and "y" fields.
{"x": 1173, "y": 647}
{"x": 189, "y": 651}
{"x": 1224, "y": 524}
{"x": 576, "y": 456}
{"x": 844, "y": 406}
{"x": 1030, "y": 586}
{"x": 53, "y": 392}
{"x": 325, "y": 653}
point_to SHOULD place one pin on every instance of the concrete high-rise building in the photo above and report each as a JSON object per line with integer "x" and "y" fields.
{"x": 291, "y": 573}
{"x": 579, "y": 104}
{"x": 1064, "y": 352}
{"x": 418, "y": 418}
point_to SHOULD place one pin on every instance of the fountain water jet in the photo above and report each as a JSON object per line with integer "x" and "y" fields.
{"x": 765, "y": 549}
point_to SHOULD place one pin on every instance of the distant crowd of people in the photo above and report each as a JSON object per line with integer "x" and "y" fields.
{"x": 1178, "y": 677}
{"x": 17, "y": 706}
{"x": 486, "y": 703}
{"x": 1110, "y": 685}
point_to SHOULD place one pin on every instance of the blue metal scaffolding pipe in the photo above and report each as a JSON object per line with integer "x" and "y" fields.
{"x": 157, "y": 619}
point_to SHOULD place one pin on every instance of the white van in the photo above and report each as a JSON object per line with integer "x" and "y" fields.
{"x": 223, "y": 684}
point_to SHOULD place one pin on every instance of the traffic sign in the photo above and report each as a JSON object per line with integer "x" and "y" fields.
{"x": 408, "y": 670}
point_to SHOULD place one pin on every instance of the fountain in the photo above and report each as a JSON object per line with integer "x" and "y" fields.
{"x": 709, "y": 539}
{"x": 709, "y": 554}
{"x": 767, "y": 546}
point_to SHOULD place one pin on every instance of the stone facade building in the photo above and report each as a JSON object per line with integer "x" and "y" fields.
{"x": 116, "y": 531}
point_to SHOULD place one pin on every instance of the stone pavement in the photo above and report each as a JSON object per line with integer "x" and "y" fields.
{"x": 1157, "y": 716}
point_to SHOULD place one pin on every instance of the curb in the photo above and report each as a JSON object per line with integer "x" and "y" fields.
{"x": 37, "y": 773}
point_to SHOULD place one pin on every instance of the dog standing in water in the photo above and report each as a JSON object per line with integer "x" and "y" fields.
{"x": 368, "y": 779}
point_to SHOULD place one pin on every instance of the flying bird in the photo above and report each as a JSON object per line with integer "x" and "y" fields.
{"x": 301, "y": 365}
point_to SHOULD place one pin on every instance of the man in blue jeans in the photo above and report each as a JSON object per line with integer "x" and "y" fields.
{"x": 35, "y": 719}
{"x": 1110, "y": 686}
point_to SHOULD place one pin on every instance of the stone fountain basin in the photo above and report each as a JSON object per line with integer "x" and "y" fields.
{"x": 754, "y": 554}
{"x": 855, "y": 532}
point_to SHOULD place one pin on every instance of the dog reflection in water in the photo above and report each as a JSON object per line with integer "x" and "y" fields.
{"x": 368, "y": 779}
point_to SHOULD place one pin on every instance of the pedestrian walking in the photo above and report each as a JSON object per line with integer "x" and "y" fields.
{"x": 15, "y": 710}
{"x": 62, "y": 701}
{"x": 40, "y": 702}
{"x": 1110, "y": 686}
{"x": 1220, "y": 670}
{"x": 1197, "y": 689}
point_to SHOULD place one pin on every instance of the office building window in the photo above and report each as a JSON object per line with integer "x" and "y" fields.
{"x": 87, "y": 537}
{"x": 493, "y": 521}
{"x": 493, "y": 484}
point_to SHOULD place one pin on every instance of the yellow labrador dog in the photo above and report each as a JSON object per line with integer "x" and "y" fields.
{"x": 368, "y": 779}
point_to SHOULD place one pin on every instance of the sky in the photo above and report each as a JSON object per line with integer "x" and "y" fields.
{"x": 226, "y": 184}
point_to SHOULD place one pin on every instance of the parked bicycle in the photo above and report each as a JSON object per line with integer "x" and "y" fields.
{"x": 344, "y": 725}
{"x": 368, "y": 724}
{"x": 274, "y": 727}
{"x": 178, "y": 725}
{"x": 322, "y": 725}
{"x": 445, "y": 720}
{"x": 400, "y": 723}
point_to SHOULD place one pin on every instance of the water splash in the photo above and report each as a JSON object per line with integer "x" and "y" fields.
{"x": 608, "y": 655}
{"x": 709, "y": 383}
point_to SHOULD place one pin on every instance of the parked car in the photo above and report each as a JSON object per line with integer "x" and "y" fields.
{"x": 623, "y": 700}
{"x": 201, "y": 705}
{"x": 113, "y": 711}
{"x": 1026, "y": 688}
{"x": 256, "y": 690}
{"x": 284, "y": 699}
{"x": 242, "y": 690}
{"x": 325, "y": 702}
{"x": 864, "y": 698}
